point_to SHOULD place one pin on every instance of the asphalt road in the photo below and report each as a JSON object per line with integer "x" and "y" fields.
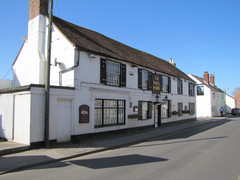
{"x": 209, "y": 152}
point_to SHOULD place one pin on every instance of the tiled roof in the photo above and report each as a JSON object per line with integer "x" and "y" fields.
{"x": 93, "y": 42}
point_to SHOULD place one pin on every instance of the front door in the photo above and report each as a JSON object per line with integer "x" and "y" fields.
{"x": 159, "y": 115}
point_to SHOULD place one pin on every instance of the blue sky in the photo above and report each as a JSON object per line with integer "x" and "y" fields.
{"x": 200, "y": 35}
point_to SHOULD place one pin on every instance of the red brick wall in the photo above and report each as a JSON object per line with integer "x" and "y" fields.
{"x": 237, "y": 97}
{"x": 37, "y": 7}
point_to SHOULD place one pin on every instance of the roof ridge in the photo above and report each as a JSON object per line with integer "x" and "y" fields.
{"x": 94, "y": 42}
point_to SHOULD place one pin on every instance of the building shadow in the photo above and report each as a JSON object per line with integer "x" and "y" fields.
{"x": 116, "y": 161}
{"x": 18, "y": 163}
{"x": 194, "y": 130}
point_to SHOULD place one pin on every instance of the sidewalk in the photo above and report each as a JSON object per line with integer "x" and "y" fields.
{"x": 24, "y": 159}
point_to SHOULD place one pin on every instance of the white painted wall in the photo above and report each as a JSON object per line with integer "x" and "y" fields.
{"x": 22, "y": 117}
{"x": 63, "y": 57}
{"x": 5, "y": 83}
{"x": 230, "y": 103}
{"x": 6, "y": 116}
{"x": 29, "y": 66}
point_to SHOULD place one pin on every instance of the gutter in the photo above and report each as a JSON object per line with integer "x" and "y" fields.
{"x": 70, "y": 68}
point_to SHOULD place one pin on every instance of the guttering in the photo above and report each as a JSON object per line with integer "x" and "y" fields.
{"x": 70, "y": 68}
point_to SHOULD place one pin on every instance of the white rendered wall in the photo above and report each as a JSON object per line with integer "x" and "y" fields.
{"x": 29, "y": 66}
{"x": 63, "y": 57}
{"x": 22, "y": 118}
{"x": 230, "y": 103}
{"x": 6, "y": 116}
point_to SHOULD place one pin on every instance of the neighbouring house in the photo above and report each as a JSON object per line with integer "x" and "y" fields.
{"x": 5, "y": 83}
{"x": 230, "y": 103}
{"x": 97, "y": 84}
{"x": 209, "y": 97}
{"x": 237, "y": 97}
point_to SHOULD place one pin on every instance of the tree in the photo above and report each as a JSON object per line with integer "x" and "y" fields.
{"x": 236, "y": 95}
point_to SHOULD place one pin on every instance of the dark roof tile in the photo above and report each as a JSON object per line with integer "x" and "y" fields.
{"x": 93, "y": 42}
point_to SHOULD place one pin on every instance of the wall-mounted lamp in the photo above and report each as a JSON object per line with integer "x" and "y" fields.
{"x": 157, "y": 99}
{"x": 165, "y": 98}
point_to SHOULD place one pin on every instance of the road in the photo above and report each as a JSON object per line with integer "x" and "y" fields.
{"x": 209, "y": 152}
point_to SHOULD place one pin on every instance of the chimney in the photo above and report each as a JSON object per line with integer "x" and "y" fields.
{"x": 171, "y": 61}
{"x": 206, "y": 77}
{"x": 212, "y": 79}
{"x": 37, "y": 7}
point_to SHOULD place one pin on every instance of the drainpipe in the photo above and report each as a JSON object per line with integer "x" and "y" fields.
{"x": 47, "y": 83}
{"x": 70, "y": 68}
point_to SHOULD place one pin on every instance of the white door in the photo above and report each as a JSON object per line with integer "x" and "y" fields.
{"x": 64, "y": 120}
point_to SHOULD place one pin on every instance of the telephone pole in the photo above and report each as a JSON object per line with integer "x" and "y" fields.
{"x": 47, "y": 82}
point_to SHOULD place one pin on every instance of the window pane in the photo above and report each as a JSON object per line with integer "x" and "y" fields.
{"x": 98, "y": 103}
{"x": 200, "y": 90}
{"x": 165, "y": 83}
{"x": 121, "y": 116}
{"x": 113, "y": 73}
{"x": 144, "y": 79}
{"x": 165, "y": 110}
{"x": 98, "y": 117}
{"x": 120, "y": 104}
{"x": 144, "y": 110}
{"x": 110, "y": 116}
{"x": 110, "y": 103}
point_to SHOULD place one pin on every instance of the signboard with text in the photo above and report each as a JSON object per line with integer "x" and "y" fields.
{"x": 156, "y": 84}
{"x": 84, "y": 114}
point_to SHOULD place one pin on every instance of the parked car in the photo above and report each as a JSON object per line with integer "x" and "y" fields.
{"x": 236, "y": 111}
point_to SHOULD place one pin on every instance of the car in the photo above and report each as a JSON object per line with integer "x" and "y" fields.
{"x": 236, "y": 111}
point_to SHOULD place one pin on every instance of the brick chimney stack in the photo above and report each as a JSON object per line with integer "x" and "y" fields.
{"x": 212, "y": 79}
{"x": 206, "y": 77}
{"x": 37, "y": 7}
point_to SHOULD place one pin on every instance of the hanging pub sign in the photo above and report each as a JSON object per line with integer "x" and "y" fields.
{"x": 156, "y": 84}
{"x": 84, "y": 114}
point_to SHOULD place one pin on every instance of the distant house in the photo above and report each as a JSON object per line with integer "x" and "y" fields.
{"x": 97, "y": 85}
{"x": 209, "y": 97}
{"x": 5, "y": 83}
{"x": 230, "y": 103}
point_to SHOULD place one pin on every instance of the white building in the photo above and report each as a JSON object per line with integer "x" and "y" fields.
{"x": 97, "y": 85}
{"x": 230, "y": 103}
{"x": 5, "y": 83}
{"x": 209, "y": 97}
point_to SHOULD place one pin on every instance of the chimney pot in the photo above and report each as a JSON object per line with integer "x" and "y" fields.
{"x": 206, "y": 77}
{"x": 212, "y": 79}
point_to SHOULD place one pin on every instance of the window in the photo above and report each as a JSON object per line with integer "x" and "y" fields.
{"x": 192, "y": 108}
{"x": 144, "y": 110}
{"x": 166, "y": 84}
{"x": 180, "y": 86}
{"x": 109, "y": 112}
{"x": 113, "y": 73}
{"x": 166, "y": 109}
{"x": 180, "y": 108}
{"x": 200, "y": 90}
{"x": 191, "y": 89}
{"x": 144, "y": 79}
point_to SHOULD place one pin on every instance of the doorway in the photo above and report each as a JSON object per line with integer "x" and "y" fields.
{"x": 64, "y": 120}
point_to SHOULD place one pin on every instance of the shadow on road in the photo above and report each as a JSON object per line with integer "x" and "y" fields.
{"x": 117, "y": 161}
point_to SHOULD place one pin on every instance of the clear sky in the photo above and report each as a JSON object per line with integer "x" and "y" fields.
{"x": 200, "y": 35}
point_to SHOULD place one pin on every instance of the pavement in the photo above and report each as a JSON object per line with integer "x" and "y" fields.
{"x": 15, "y": 157}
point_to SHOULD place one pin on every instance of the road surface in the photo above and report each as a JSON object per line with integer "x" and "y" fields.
{"x": 209, "y": 152}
